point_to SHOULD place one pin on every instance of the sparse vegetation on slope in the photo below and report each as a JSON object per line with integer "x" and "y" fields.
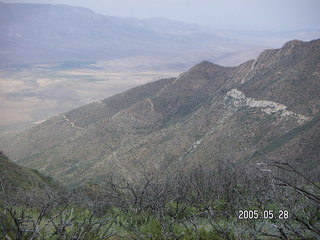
{"x": 217, "y": 153}
{"x": 207, "y": 114}
{"x": 17, "y": 181}
{"x": 197, "y": 204}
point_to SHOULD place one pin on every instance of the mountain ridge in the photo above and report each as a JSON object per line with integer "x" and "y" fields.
{"x": 206, "y": 115}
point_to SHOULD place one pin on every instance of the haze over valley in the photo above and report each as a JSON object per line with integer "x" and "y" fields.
{"x": 54, "y": 57}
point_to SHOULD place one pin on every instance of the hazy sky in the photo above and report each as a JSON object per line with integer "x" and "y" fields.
{"x": 223, "y": 14}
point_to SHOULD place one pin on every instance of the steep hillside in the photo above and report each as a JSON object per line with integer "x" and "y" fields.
{"x": 209, "y": 114}
{"x": 20, "y": 182}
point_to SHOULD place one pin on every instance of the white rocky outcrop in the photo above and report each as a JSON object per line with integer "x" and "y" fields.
{"x": 70, "y": 122}
{"x": 240, "y": 100}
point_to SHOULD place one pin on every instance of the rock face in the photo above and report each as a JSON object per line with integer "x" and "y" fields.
{"x": 210, "y": 113}
{"x": 270, "y": 108}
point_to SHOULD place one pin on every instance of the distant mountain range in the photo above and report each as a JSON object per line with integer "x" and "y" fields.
{"x": 41, "y": 33}
{"x": 265, "y": 108}
{"x": 44, "y": 33}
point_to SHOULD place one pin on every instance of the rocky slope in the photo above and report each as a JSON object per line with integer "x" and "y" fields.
{"x": 267, "y": 106}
